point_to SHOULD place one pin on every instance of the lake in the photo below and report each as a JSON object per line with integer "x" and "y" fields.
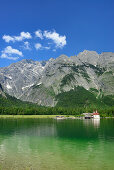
{"x": 49, "y": 144}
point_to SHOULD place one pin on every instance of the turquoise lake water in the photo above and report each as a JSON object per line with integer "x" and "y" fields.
{"x": 48, "y": 144}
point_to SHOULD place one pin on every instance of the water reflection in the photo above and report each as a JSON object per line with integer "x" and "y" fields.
{"x": 96, "y": 123}
{"x": 92, "y": 122}
{"x": 49, "y": 144}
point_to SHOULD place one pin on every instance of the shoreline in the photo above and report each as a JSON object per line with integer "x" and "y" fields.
{"x": 45, "y": 116}
{"x": 33, "y": 116}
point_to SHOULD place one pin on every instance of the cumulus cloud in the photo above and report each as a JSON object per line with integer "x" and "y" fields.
{"x": 27, "y": 45}
{"x": 50, "y": 40}
{"x": 8, "y": 57}
{"x": 8, "y": 38}
{"x": 39, "y": 34}
{"x": 21, "y": 37}
{"x": 38, "y": 46}
{"x": 8, "y": 51}
{"x": 59, "y": 40}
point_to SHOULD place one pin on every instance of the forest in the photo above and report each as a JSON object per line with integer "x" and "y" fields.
{"x": 12, "y": 106}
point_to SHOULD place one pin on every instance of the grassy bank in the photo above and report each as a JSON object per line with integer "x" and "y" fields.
{"x": 41, "y": 116}
{"x": 32, "y": 116}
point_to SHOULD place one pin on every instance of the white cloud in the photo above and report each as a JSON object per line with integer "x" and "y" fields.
{"x": 59, "y": 40}
{"x": 38, "y": 46}
{"x": 47, "y": 48}
{"x": 8, "y": 51}
{"x": 27, "y": 45}
{"x": 39, "y": 34}
{"x": 21, "y": 37}
{"x": 51, "y": 40}
{"x": 8, "y": 57}
{"x": 8, "y": 38}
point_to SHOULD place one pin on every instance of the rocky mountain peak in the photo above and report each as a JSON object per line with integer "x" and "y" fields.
{"x": 62, "y": 59}
{"x": 63, "y": 56}
{"x": 40, "y": 82}
{"x": 90, "y": 57}
{"x": 27, "y": 61}
{"x": 87, "y": 52}
{"x": 106, "y": 59}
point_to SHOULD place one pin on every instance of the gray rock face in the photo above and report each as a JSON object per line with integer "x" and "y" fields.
{"x": 40, "y": 82}
{"x": 2, "y": 91}
{"x": 19, "y": 76}
{"x": 106, "y": 59}
{"x": 90, "y": 57}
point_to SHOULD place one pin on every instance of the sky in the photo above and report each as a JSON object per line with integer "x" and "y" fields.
{"x": 44, "y": 29}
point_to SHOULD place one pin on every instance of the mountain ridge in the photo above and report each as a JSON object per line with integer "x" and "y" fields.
{"x": 41, "y": 82}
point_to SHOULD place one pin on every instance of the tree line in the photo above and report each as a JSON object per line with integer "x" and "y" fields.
{"x": 105, "y": 111}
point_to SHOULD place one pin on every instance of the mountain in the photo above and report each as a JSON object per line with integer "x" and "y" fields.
{"x": 2, "y": 94}
{"x": 8, "y": 102}
{"x": 46, "y": 82}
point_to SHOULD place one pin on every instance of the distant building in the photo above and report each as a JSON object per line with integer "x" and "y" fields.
{"x": 87, "y": 115}
{"x": 96, "y": 115}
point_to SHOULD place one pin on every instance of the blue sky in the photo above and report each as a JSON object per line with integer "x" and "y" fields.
{"x": 41, "y": 29}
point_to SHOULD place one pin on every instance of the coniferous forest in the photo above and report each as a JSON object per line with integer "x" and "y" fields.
{"x": 69, "y": 103}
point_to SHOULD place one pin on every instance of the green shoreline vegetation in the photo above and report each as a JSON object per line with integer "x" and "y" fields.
{"x": 32, "y": 116}
{"x": 41, "y": 116}
{"x": 69, "y": 103}
{"x": 47, "y": 111}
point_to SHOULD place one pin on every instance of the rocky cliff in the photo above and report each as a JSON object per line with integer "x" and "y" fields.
{"x": 41, "y": 82}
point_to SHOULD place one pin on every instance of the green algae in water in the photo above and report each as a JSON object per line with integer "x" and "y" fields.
{"x": 50, "y": 144}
